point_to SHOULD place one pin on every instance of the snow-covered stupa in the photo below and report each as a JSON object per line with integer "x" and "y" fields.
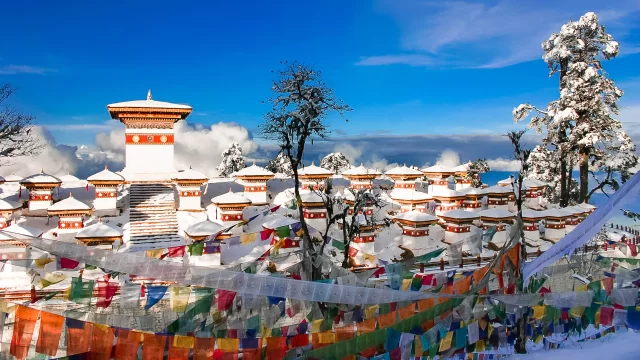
{"x": 438, "y": 176}
{"x": 106, "y": 183}
{"x": 474, "y": 198}
{"x": 447, "y": 199}
{"x": 460, "y": 176}
{"x": 254, "y": 178}
{"x": 499, "y": 196}
{"x": 40, "y": 188}
{"x": 189, "y": 187}
{"x": 99, "y": 234}
{"x": 228, "y": 210}
{"x": 499, "y": 218}
{"x": 555, "y": 219}
{"x": 458, "y": 224}
{"x": 8, "y": 210}
{"x": 313, "y": 177}
{"x": 149, "y": 137}
{"x": 415, "y": 228}
{"x": 70, "y": 213}
{"x": 361, "y": 177}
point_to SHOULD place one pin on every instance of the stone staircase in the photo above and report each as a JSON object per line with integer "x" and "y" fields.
{"x": 152, "y": 220}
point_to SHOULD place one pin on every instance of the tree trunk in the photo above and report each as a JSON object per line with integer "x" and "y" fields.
{"x": 563, "y": 182}
{"x": 307, "y": 246}
{"x": 584, "y": 175}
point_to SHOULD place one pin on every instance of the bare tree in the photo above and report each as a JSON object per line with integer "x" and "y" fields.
{"x": 300, "y": 104}
{"x": 476, "y": 168}
{"x": 522, "y": 156}
{"x": 16, "y": 130}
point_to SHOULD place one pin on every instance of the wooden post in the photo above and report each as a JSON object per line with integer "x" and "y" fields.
{"x": 421, "y": 267}
{"x": 441, "y": 263}
{"x": 461, "y": 262}
{"x": 479, "y": 260}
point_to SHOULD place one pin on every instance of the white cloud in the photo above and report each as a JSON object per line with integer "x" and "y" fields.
{"x": 501, "y": 164}
{"x": 481, "y": 34}
{"x": 449, "y": 158}
{"x": 22, "y": 69}
{"x": 352, "y": 153}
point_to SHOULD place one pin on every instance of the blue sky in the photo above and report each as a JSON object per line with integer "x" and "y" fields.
{"x": 405, "y": 67}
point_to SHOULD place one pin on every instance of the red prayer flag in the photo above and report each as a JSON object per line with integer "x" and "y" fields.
{"x": 177, "y": 251}
{"x": 78, "y": 339}
{"x": 352, "y": 251}
{"x": 68, "y": 263}
{"x": 106, "y": 291}
{"x": 127, "y": 344}
{"x": 428, "y": 280}
{"x": 177, "y": 353}
{"x": 607, "y": 283}
{"x": 87, "y": 187}
{"x": 153, "y": 347}
{"x": 634, "y": 249}
{"x": 203, "y": 349}
{"x": 276, "y": 348}
{"x": 606, "y": 316}
{"x": 23, "y": 327}
{"x": 49, "y": 335}
{"x": 265, "y": 234}
{"x": 225, "y": 299}
{"x": 142, "y": 290}
{"x": 101, "y": 342}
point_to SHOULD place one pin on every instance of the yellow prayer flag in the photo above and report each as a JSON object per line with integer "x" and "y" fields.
{"x": 102, "y": 327}
{"x": 183, "y": 341}
{"x": 490, "y": 331}
{"x": 445, "y": 344}
{"x": 155, "y": 253}
{"x": 480, "y": 346}
{"x": 370, "y": 311}
{"x": 266, "y": 332}
{"x": 326, "y": 337}
{"x": 582, "y": 287}
{"x": 597, "y": 318}
{"x": 577, "y": 311}
{"x": 228, "y": 344}
{"x": 44, "y": 261}
{"x": 248, "y": 238}
{"x": 406, "y": 284}
{"x": 50, "y": 279}
{"x": 369, "y": 257}
{"x": 179, "y": 298}
{"x": 315, "y": 325}
{"x": 7, "y": 307}
{"x": 538, "y": 312}
{"x": 418, "y": 346}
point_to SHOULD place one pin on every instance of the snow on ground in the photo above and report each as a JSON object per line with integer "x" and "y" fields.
{"x": 622, "y": 345}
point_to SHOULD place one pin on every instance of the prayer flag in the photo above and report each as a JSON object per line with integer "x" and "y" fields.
{"x": 106, "y": 292}
{"x": 68, "y": 263}
{"x": 276, "y": 348}
{"x": 283, "y": 231}
{"x": 203, "y": 349}
{"x": 49, "y": 334}
{"x": 337, "y": 244}
{"x": 25, "y": 322}
{"x": 179, "y": 298}
{"x": 265, "y": 234}
{"x": 127, "y": 344}
{"x": 177, "y": 352}
{"x": 154, "y": 295}
{"x": 248, "y": 238}
{"x": 176, "y": 251}
{"x": 406, "y": 311}
{"x": 185, "y": 342}
{"x": 225, "y": 299}
{"x": 228, "y": 344}
{"x": 78, "y": 336}
{"x": 153, "y": 346}
{"x": 196, "y": 248}
{"x": 445, "y": 344}
{"x": 387, "y": 320}
{"x": 81, "y": 291}
{"x": 101, "y": 342}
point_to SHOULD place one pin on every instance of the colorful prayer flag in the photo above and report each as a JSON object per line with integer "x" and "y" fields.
{"x": 154, "y": 295}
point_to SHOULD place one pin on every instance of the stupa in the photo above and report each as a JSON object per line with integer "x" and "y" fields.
{"x": 40, "y": 188}
{"x": 438, "y": 176}
{"x": 189, "y": 185}
{"x": 313, "y": 177}
{"x": 106, "y": 183}
{"x": 149, "y": 137}
{"x": 99, "y": 234}
{"x": 415, "y": 227}
{"x": 70, "y": 212}
{"x": 361, "y": 177}
{"x": 254, "y": 178}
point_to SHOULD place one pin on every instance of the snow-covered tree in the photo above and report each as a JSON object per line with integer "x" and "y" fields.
{"x": 580, "y": 124}
{"x": 300, "y": 104}
{"x": 474, "y": 170}
{"x": 232, "y": 160}
{"x": 335, "y": 162}
{"x": 544, "y": 165}
{"x": 280, "y": 164}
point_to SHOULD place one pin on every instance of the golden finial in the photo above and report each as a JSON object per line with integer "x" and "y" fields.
{"x": 149, "y": 95}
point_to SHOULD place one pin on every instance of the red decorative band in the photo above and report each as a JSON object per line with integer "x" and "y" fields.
{"x": 70, "y": 225}
{"x": 106, "y": 194}
{"x": 5, "y": 224}
{"x": 255, "y": 188}
{"x": 462, "y": 181}
{"x": 446, "y": 207}
{"x": 360, "y": 186}
{"x": 190, "y": 193}
{"x": 439, "y": 182}
{"x": 288, "y": 244}
{"x": 149, "y": 139}
{"x": 498, "y": 227}
{"x": 572, "y": 222}
{"x": 37, "y": 197}
{"x": 363, "y": 239}
{"x": 555, "y": 226}
{"x": 415, "y": 232}
{"x": 318, "y": 215}
{"x": 366, "y": 212}
{"x": 231, "y": 217}
{"x": 471, "y": 205}
{"x": 404, "y": 186}
{"x": 497, "y": 202}
{"x": 313, "y": 186}
{"x": 458, "y": 229}
{"x": 531, "y": 228}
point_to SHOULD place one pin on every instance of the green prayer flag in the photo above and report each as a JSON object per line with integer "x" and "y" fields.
{"x": 253, "y": 322}
{"x": 283, "y": 231}
{"x": 337, "y": 244}
{"x": 81, "y": 291}
{"x": 276, "y": 332}
{"x": 385, "y": 308}
{"x": 196, "y": 248}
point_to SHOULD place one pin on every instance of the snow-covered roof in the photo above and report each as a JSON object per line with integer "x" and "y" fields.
{"x": 13, "y": 178}
{"x": 99, "y": 230}
{"x": 149, "y": 103}
{"x": 496, "y": 189}
{"x": 438, "y": 169}
{"x": 559, "y": 213}
{"x": 40, "y": 178}
{"x": 462, "y": 167}
{"x": 442, "y": 192}
{"x": 105, "y": 175}
{"x": 204, "y": 228}
{"x": 496, "y": 214}
{"x": 532, "y": 214}
{"x": 587, "y": 206}
{"x": 314, "y": 170}
{"x": 68, "y": 178}
{"x": 411, "y": 195}
{"x": 575, "y": 209}
{"x": 20, "y": 229}
{"x": 190, "y": 174}
{"x": 473, "y": 191}
{"x": 311, "y": 197}
{"x": 505, "y": 182}
{"x": 460, "y": 214}
{"x": 404, "y": 170}
{"x": 361, "y": 170}
{"x": 6, "y": 204}
{"x": 69, "y": 203}
{"x": 2, "y": 179}
{"x": 278, "y": 222}
{"x": 230, "y": 198}
{"x": 253, "y": 170}
{"x": 348, "y": 195}
{"x": 416, "y": 216}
